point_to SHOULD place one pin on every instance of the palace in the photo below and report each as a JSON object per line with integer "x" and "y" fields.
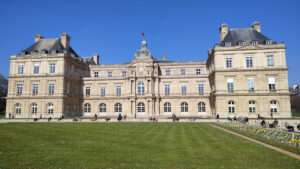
{"x": 245, "y": 75}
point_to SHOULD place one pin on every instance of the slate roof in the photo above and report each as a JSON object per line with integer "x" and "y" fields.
{"x": 245, "y": 35}
{"x": 49, "y": 45}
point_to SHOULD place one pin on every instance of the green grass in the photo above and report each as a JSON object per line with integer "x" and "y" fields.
{"x": 131, "y": 145}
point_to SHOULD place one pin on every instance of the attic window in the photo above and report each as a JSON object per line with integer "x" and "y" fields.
{"x": 23, "y": 52}
{"x": 268, "y": 42}
{"x": 53, "y": 52}
{"x": 33, "y": 52}
{"x": 227, "y": 43}
{"x": 241, "y": 43}
{"x": 44, "y": 51}
{"x": 254, "y": 43}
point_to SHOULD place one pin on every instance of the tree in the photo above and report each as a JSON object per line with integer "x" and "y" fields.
{"x": 3, "y": 92}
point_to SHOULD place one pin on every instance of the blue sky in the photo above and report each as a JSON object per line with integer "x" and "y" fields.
{"x": 183, "y": 30}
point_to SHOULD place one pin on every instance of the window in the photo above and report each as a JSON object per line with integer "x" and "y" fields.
{"x": 53, "y": 51}
{"x": 228, "y": 62}
{"x": 68, "y": 88}
{"x": 124, "y": 74}
{"x": 271, "y": 83}
{"x": 51, "y": 88}
{"x": 36, "y": 69}
{"x": 273, "y": 106}
{"x": 141, "y": 88}
{"x": 44, "y": 52}
{"x": 141, "y": 107}
{"x": 270, "y": 60}
{"x": 87, "y": 91}
{"x": 250, "y": 84}
{"x": 227, "y": 43}
{"x": 95, "y": 74}
{"x": 183, "y": 89}
{"x": 268, "y": 42}
{"x": 200, "y": 88}
{"x": 251, "y": 106}
{"x": 198, "y": 71}
{"x": 87, "y": 108}
{"x": 118, "y": 107}
{"x": 19, "y": 89}
{"x": 18, "y": 108}
{"x": 249, "y": 61}
{"x": 201, "y": 107}
{"x": 21, "y": 69}
{"x": 118, "y": 90}
{"x": 168, "y": 72}
{"x": 102, "y": 91}
{"x": 167, "y": 107}
{"x": 167, "y": 89}
{"x": 50, "y": 108}
{"x": 102, "y": 108}
{"x": 52, "y": 68}
{"x": 254, "y": 43}
{"x": 184, "y": 107}
{"x": 231, "y": 107}
{"x": 230, "y": 84}
{"x": 182, "y": 71}
{"x": 35, "y": 88}
{"x": 34, "y": 108}
{"x": 109, "y": 74}
{"x": 241, "y": 43}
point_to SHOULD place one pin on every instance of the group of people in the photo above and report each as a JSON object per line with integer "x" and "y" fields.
{"x": 240, "y": 119}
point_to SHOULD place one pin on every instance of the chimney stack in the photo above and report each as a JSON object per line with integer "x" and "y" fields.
{"x": 256, "y": 26}
{"x": 164, "y": 57}
{"x": 38, "y": 37}
{"x": 223, "y": 31}
{"x": 96, "y": 59}
{"x": 65, "y": 40}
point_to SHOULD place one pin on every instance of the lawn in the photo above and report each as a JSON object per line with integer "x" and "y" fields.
{"x": 131, "y": 145}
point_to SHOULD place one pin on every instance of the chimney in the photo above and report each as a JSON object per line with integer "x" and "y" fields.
{"x": 38, "y": 37}
{"x": 256, "y": 26}
{"x": 96, "y": 59}
{"x": 164, "y": 57}
{"x": 223, "y": 31}
{"x": 65, "y": 40}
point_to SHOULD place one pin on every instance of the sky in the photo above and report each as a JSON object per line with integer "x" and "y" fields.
{"x": 183, "y": 30}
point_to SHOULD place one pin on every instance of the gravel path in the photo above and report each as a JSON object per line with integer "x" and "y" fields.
{"x": 261, "y": 143}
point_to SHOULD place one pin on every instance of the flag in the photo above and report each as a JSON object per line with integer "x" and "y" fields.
{"x": 142, "y": 33}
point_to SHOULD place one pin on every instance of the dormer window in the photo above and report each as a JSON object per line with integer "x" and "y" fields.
{"x": 227, "y": 43}
{"x": 33, "y": 52}
{"x": 268, "y": 42}
{"x": 254, "y": 43}
{"x": 23, "y": 52}
{"x": 53, "y": 51}
{"x": 44, "y": 52}
{"x": 241, "y": 43}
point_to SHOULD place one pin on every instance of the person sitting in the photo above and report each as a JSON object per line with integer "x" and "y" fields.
{"x": 263, "y": 123}
{"x": 119, "y": 117}
{"x": 246, "y": 120}
{"x": 49, "y": 119}
{"x": 289, "y": 127}
{"x": 229, "y": 119}
{"x": 107, "y": 119}
{"x": 96, "y": 117}
{"x": 35, "y": 119}
{"x": 235, "y": 119}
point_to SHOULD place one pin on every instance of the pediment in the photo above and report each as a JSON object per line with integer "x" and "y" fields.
{"x": 250, "y": 47}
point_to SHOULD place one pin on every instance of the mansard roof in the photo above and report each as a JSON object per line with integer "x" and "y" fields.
{"x": 245, "y": 35}
{"x": 49, "y": 45}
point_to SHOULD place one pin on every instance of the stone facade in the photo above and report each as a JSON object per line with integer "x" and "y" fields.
{"x": 240, "y": 78}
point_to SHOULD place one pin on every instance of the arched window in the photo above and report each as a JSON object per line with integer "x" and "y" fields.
{"x": 141, "y": 88}
{"x": 118, "y": 107}
{"x": 102, "y": 108}
{"x": 18, "y": 108}
{"x": 231, "y": 106}
{"x": 50, "y": 108}
{"x": 167, "y": 107}
{"x": 34, "y": 108}
{"x": 184, "y": 107}
{"x": 87, "y": 108}
{"x": 273, "y": 106}
{"x": 141, "y": 107}
{"x": 252, "y": 106}
{"x": 201, "y": 107}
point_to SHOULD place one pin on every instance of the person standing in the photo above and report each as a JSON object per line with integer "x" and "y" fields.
{"x": 218, "y": 117}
